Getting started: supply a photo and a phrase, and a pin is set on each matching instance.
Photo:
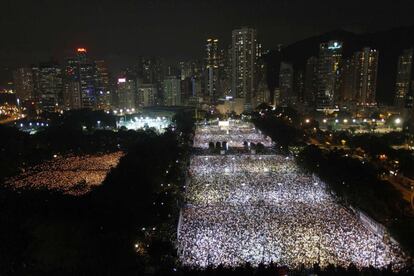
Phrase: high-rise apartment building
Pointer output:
(366, 76)
(405, 78)
(212, 69)
(244, 46)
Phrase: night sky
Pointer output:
(119, 31)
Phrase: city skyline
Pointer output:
(131, 29)
(207, 137)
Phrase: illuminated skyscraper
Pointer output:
(126, 91)
(147, 94)
(71, 89)
(87, 77)
(50, 87)
(151, 70)
(330, 55)
(212, 69)
(404, 78)
(366, 77)
(80, 80)
(244, 57)
(104, 96)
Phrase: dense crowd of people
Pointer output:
(235, 134)
(69, 174)
(264, 209)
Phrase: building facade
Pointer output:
(366, 76)
(212, 70)
(404, 78)
(126, 91)
(50, 87)
(244, 46)
(330, 57)
(23, 83)
(172, 91)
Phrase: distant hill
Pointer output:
(389, 43)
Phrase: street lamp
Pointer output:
(397, 121)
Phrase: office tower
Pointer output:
(87, 77)
(147, 94)
(172, 91)
(212, 69)
(23, 83)
(71, 95)
(79, 81)
(71, 87)
(146, 70)
(330, 55)
(366, 77)
(311, 80)
(151, 70)
(50, 86)
(243, 64)
(286, 83)
(126, 91)
(103, 92)
(404, 78)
